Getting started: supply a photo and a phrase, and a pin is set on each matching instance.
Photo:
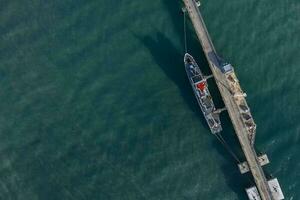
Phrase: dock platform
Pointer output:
(234, 100)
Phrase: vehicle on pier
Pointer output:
(202, 94)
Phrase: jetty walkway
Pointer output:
(234, 100)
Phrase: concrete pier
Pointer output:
(234, 100)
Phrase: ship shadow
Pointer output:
(170, 61)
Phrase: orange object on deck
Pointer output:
(201, 86)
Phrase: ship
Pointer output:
(200, 87)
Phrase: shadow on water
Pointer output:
(170, 61)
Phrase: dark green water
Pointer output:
(95, 103)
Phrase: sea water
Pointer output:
(95, 103)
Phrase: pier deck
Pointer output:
(230, 98)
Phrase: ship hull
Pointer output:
(202, 94)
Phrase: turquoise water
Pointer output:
(95, 103)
